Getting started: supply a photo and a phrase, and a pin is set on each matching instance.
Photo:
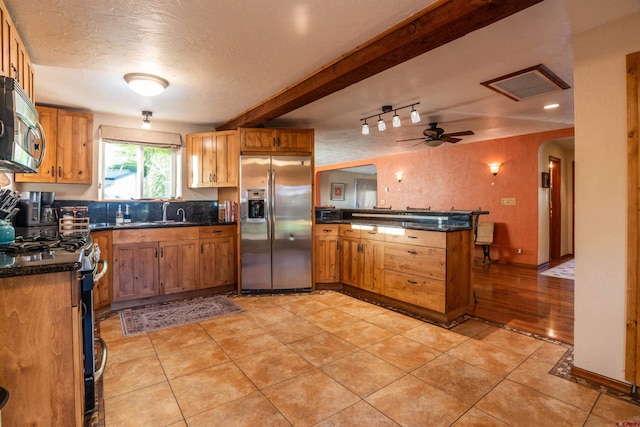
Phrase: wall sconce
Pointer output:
(415, 118)
(494, 168)
(146, 84)
(146, 123)
(399, 176)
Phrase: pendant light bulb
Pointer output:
(415, 116)
(365, 128)
(381, 125)
(396, 120)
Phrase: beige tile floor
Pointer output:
(326, 359)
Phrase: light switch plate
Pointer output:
(508, 201)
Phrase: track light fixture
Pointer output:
(146, 123)
(396, 122)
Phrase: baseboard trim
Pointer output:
(617, 385)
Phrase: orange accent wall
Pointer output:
(457, 176)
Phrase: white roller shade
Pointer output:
(140, 136)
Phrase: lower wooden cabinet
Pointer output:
(179, 266)
(327, 253)
(102, 295)
(217, 256)
(362, 257)
(162, 261)
(41, 351)
(135, 271)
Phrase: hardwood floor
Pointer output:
(520, 297)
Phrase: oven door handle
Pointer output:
(103, 271)
(103, 359)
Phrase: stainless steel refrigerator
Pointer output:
(275, 223)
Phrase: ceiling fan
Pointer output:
(435, 136)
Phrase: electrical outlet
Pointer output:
(508, 201)
(520, 251)
(382, 202)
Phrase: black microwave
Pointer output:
(22, 140)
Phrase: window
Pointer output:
(137, 171)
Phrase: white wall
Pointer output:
(86, 192)
(601, 194)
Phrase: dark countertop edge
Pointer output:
(10, 271)
(408, 226)
(137, 226)
(409, 211)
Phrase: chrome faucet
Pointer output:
(184, 218)
(164, 211)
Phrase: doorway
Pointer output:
(555, 208)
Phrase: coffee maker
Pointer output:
(36, 209)
(48, 214)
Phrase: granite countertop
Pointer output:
(395, 224)
(54, 261)
(103, 226)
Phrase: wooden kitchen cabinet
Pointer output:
(217, 256)
(41, 351)
(179, 266)
(135, 271)
(69, 148)
(154, 261)
(327, 253)
(293, 141)
(15, 61)
(362, 257)
(102, 288)
(213, 159)
(429, 269)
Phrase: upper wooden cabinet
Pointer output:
(69, 148)
(213, 159)
(15, 60)
(295, 141)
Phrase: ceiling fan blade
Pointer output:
(451, 140)
(466, 132)
(420, 143)
(410, 139)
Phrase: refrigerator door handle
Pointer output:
(267, 211)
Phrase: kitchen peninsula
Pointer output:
(417, 259)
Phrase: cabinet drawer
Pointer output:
(154, 234)
(348, 230)
(420, 291)
(217, 231)
(434, 239)
(326, 230)
(422, 261)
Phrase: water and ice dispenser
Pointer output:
(256, 200)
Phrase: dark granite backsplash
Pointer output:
(202, 211)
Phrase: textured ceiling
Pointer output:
(222, 57)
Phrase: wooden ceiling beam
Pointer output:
(438, 24)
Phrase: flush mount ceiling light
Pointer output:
(146, 84)
(382, 126)
(146, 123)
(551, 106)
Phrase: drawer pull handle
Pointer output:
(412, 237)
(326, 230)
(412, 282)
(372, 232)
(413, 252)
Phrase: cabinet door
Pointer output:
(75, 147)
(135, 271)
(48, 118)
(178, 266)
(372, 265)
(256, 139)
(102, 289)
(294, 140)
(200, 166)
(350, 259)
(327, 254)
(227, 161)
(217, 262)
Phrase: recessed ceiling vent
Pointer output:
(527, 83)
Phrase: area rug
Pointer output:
(162, 316)
(564, 271)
